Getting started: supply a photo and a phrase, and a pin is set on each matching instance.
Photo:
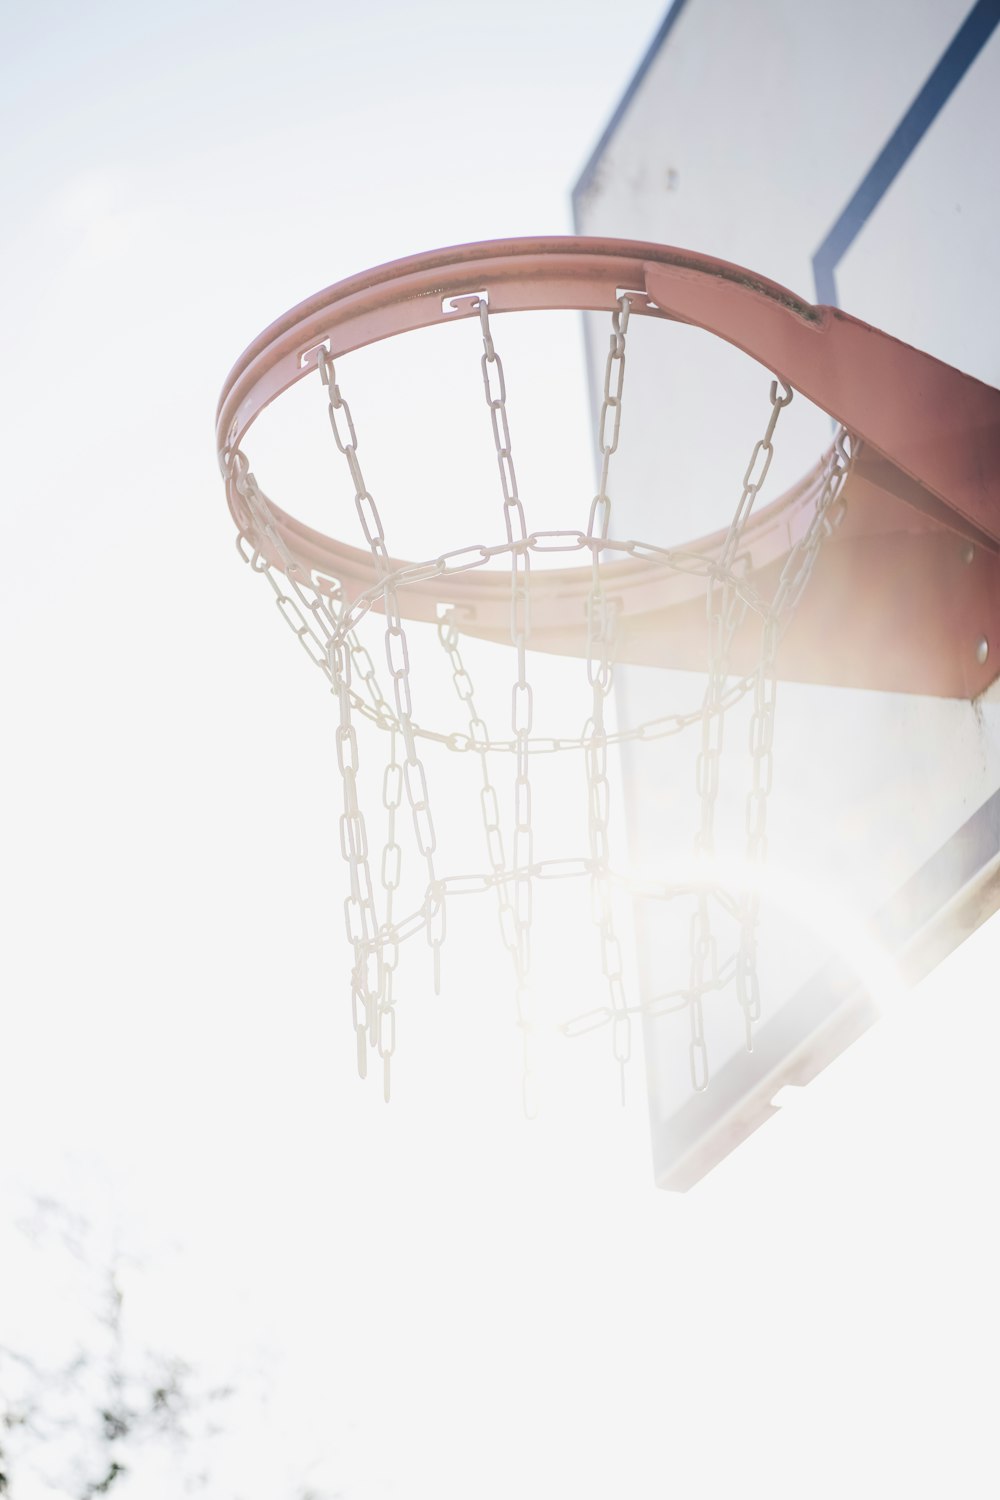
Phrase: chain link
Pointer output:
(600, 648)
(384, 1037)
(489, 803)
(726, 612)
(396, 653)
(522, 697)
(795, 575)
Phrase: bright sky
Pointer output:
(437, 1299)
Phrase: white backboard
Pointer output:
(850, 155)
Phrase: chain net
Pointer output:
(327, 624)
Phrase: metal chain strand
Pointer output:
(795, 575)
(726, 611)
(489, 803)
(600, 645)
(312, 617)
(522, 696)
(363, 928)
(384, 1037)
(316, 629)
(323, 604)
(396, 654)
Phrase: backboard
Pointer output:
(851, 163)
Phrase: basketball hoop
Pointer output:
(914, 464)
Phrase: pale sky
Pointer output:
(435, 1299)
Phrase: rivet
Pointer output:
(968, 552)
(982, 650)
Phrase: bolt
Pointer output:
(968, 552)
(982, 650)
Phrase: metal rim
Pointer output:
(440, 286)
(928, 436)
(444, 286)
